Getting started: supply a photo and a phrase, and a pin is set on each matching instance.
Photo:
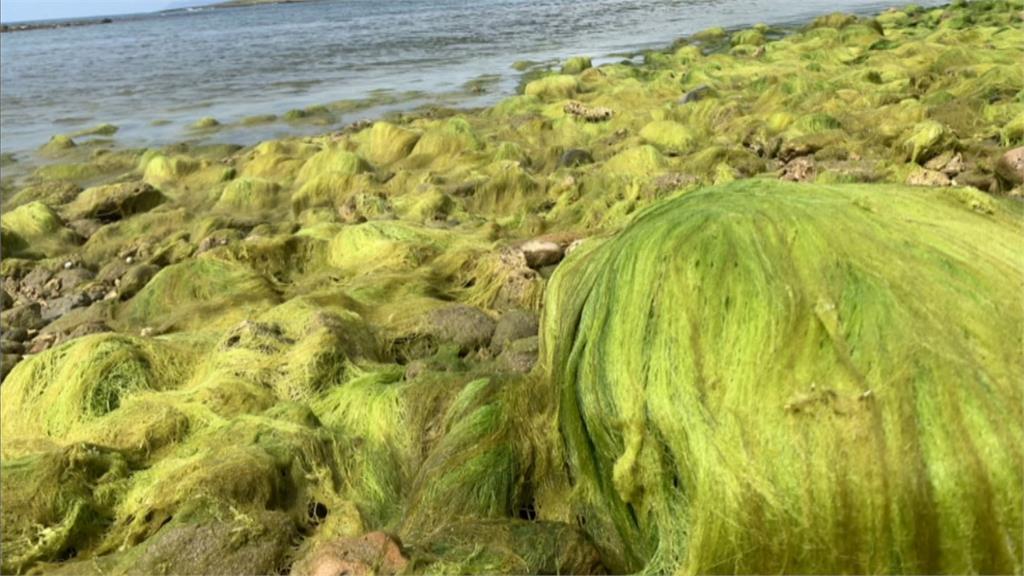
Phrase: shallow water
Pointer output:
(172, 69)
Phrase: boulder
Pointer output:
(114, 202)
(1010, 166)
(373, 554)
(520, 355)
(135, 279)
(799, 169)
(575, 157)
(27, 316)
(513, 325)
(466, 326)
(925, 177)
(541, 253)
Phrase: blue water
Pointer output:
(232, 63)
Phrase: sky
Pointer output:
(18, 10)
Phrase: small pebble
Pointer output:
(68, 265)
(129, 260)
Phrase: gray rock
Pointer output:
(465, 326)
(25, 316)
(16, 334)
(575, 157)
(697, 94)
(85, 227)
(11, 346)
(34, 283)
(6, 301)
(520, 356)
(7, 363)
(58, 307)
(71, 278)
(513, 325)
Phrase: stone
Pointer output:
(16, 334)
(540, 253)
(466, 326)
(85, 227)
(53, 309)
(114, 202)
(697, 94)
(575, 157)
(7, 363)
(26, 316)
(799, 169)
(925, 177)
(42, 343)
(6, 300)
(11, 346)
(135, 279)
(513, 325)
(949, 163)
(588, 113)
(520, 356)
(1010, 166)
(34, 283)
(71, 278)
(373, 554)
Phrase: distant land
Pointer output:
(173, 7)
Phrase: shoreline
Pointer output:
(606, 325)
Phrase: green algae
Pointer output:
(35, 229)
(832, 293)
(293, 385)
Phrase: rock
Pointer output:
(697, 94)
(1010, 166)
(85, 227)
(588, 113)
(575, 157)
(465, 326)
(135, 279)
(576, 64)
(11, 346)
(114, 202)
(799, 169)
(925, 177)
(513, 325)
(6, 300)
(34, 283)
(374, 554)
(26, 316)
(15, 334)
(70, 278)
(520, 355)
(42, 343)
(948, 163)
(7, 363)
(53, 309)
(540, 253)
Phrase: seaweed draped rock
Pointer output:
(770, 377)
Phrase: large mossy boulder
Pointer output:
(35, 230)
(114, 202)
(768, 377)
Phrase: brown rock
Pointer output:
(540, 253)
(374, 554)
(7, 363)
(1010, 166)
(42, 343)
(925, 177)
(800, 169)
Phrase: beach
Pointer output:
(740, 299)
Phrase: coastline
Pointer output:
(456, 340)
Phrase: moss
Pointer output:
(668, 135)
(387, 143)
(556, 87)
(197, 294)
(808, 365)
(100, 130)
(451, 138)
(925, 141)
(206, 123)
(751, 37)
(250, 194)
(159, 169)
(374, 245)
(114, 202)
(576, 64)
(637, 161)
(59, 144)
(35, 229)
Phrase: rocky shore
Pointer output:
(750, 306)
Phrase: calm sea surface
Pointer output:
(172, 69)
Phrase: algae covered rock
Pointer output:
(556, 87)
(389, 143)
(35, 230)
(668, 135)
(576, 64)
(114, 202)
(740, 356)
(926, 140)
